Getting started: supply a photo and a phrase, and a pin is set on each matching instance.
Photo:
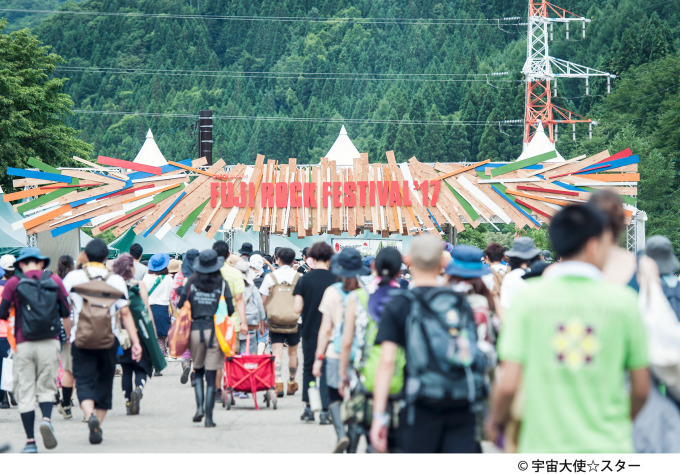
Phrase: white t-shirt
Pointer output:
(140, 271)
(283, 274)
(512, 283)
(161, 295)
(78, 277)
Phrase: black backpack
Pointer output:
(444, 366)
(673, 296)
(38, 307)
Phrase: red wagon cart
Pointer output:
(249, 373)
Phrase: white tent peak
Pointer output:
(343, 150)
(539, 144)
(150, 154)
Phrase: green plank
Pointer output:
(44, 199)
(524, 163)
(166, 194)
(630, 200)
(190, 219)
(463, 202)
(43, 166)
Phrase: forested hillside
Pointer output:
(386, 78)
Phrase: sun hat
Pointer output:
(158, 262)
(257, 263)
(244, 268)
(7, 262)
(547, 256)
(348, 264)
(536, 269)
(32, 252)
(367, 261)
(659, 249)
(208, 262)
(466, 262)
(523, 247)
(246, 249)
(174, 266)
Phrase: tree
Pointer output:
(32, 107)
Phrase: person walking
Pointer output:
(586, 337)
(349, 267)
(522, 254)
(40, 302)
(141, 270)
(278, 300)
(308, 293)
(364, 310)
(246, 251)
(160, 285)
(444, 384)
(255, 313)
(8, 342)
(94, 367)
(135, 373)
(5, 349)
(66, 265)
(186, 270)
(203, 290)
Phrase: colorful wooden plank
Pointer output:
(499, 192)
(462, 170)
(69, 227)
(61, 210)
(622, 154)
(39, 175)
(547, 190)
(128, 165)
(43, 166)
(533, 208)
(191, 218)
(126, 216)
(524, 163)
(165, 213)
(619, 177)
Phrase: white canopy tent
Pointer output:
(150, 154)
(538, 145)
(343, 150)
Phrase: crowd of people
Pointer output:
(438, 350)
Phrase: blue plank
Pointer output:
(630, 160)
(164, 169)
(128, 184)
(165, 213)
(39, 175)
(62, 229)
(516, 206)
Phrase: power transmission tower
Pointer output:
(540, 69)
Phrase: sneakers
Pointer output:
(292, 388)
(95, 430)
(157, 374)
(307, 415)
(325, 418)
(279, 389)
(65, 411)
(242, 395)
(135, 397)
(4, 405)
(47, 433)
(185, 374)
(30, 448)
(12, 400)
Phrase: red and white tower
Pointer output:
(540, 69)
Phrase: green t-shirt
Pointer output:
(575, 338)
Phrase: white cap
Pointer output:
(7, 262)
(257, 263)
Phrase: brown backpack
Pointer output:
(498, 276)
(282, 318)
(94, 321)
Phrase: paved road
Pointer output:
(164, 425)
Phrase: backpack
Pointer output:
(282, 318)
(673, 296)
(498, 276)
(38, 301)
(365, 332)
(336, 337)
(252, 308)
(444, 366)
(93, 330)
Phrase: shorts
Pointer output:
(212, 358)
(292, 339)
(93, 370)
(36, 364)
(66, 359)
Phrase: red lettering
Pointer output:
(214, 193)
(350, 196)
(362, 192)
(371, 193)
(326, 193)
(395, 195)
(337, 193)
(407, 194)
(423, 187)
(295, 199)
(435, 194)
(267, 195)
(251, 194)
(227, 194)
(242, 200)
(383, 192)
(282, 195)
(308, 192)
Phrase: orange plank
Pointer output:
(461, 170)
(614, 177)
(25, 194)
(537, 198)
(142, 196)
(47, 216)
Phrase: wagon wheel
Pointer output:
(274, 398)
(229, 399)
(266, 398)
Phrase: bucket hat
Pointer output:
(7, 262)
(348, 263)
(466, 262)
(523, 247)
(174, 266)
(158, 262)
(208, 262)
(32, 252)
(659, 249)
(246, 249)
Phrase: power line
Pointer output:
(495, 22)
(304, 119)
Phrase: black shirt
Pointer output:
(204, 303)
(393, 320)
(311, 287)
